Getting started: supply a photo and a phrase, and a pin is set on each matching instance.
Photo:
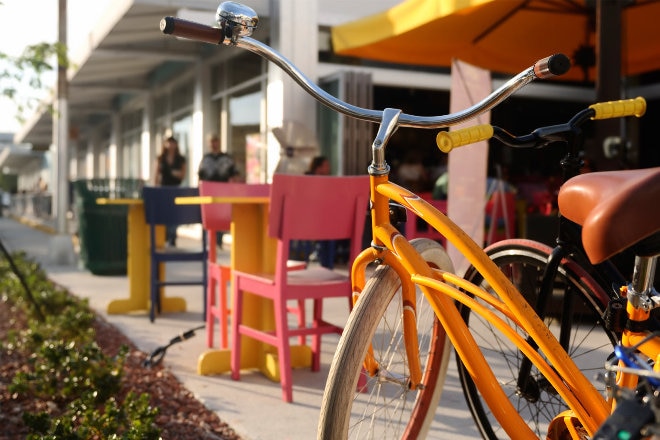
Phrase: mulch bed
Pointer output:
(181, 415)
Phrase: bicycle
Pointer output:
(419, 264)
(636, 414)
(561, 283)
(629, 196)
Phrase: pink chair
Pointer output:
(412, 228)
(217, 217)
(302, 208)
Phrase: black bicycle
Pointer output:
(572, 295)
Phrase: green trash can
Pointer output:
(102, 229)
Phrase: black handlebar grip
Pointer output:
(191, 30)
(167, 25)
(554, 65)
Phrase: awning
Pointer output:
(502, 36)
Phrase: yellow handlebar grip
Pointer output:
(619, 109)
(448, 140)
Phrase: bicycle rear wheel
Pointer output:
(384, 407)
(577, 302)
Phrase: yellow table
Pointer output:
(252, 250)
(139, 262)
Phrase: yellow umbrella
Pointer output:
(500, 35)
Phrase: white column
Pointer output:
(90, 156)
(73, 163)
(294, 33)
(466, 200)
(113, 148)
(146, 158)
(200, 120)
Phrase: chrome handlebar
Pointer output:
(405, 120)
(237, 22)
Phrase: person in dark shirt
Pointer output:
(170, 165)
(216, 165)
(170, 171)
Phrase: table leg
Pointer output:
(139, 266)
(253, 251)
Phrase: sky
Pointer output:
(28, 22)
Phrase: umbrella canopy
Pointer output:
(502, 36)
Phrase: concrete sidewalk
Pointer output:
(251, 406)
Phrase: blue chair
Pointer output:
(160, 209)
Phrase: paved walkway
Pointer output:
(253, 405)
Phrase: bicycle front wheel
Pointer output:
(384, 406)
(574, 314)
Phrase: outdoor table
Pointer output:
(139, 262)
(252, 250)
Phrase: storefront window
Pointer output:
(242, 68)
(329, 125)
(217, 78)
(181, 130)
(182, 96)
(161, 106)
(131, 127)
(173, 117)
(237, 86)
(244, 121)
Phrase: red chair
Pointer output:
(302, 208)
(217, 217)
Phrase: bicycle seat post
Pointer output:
(643, 275)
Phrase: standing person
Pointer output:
(217, 166)
(170, 171)
(320, 166)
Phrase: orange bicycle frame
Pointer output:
(391, 248)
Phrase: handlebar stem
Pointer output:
(387, 128)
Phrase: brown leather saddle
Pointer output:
(616, 209)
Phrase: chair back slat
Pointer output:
(160, 209)
(217, 216)
(317, 207)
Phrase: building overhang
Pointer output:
(14, 159)
(126, 47)
(118, 60)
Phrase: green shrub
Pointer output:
(66, 367)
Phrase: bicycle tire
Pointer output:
(384, 409)
(526, 260)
